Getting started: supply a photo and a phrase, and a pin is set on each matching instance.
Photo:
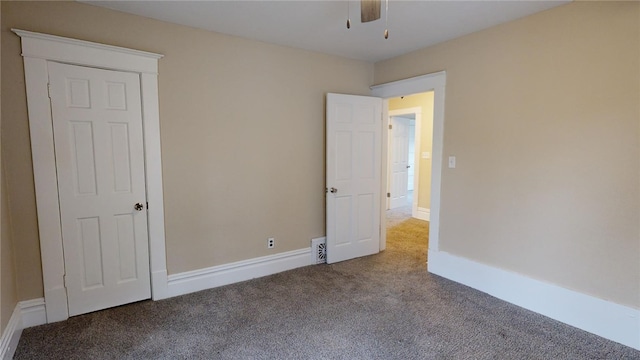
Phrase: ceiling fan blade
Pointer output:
(369, 10)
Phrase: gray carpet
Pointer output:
(384, 306)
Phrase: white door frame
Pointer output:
(417, 112)
(431, 82)
(37, 49)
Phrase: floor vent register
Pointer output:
(319, 250)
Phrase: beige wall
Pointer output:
(424, 101)
(242, 130)
(543, 116)
(8, 294)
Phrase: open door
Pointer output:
(354, 144)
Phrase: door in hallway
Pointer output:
(399, 162)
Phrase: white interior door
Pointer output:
(412, 156)
(399, 162)
(354, 143)
(97, 125)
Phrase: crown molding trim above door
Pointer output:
(37, 50)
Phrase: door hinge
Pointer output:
(147, 205)
(388, 195)
(49, 90)
(390, 126)
(64, 280)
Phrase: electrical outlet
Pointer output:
(271, 242)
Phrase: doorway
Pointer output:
(39, 50)
(435, 84)
(340, 113)
(409, 116)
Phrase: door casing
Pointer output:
(37, 49)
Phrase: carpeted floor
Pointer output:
(384, 306)
(398, 215)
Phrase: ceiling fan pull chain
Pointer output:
(348, 16)
(386, 19)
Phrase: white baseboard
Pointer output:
(604, 318)
(33, 312)
(422, 214)
(197, 280)
(26, 314)
(11, 335)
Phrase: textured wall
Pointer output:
(543, 116)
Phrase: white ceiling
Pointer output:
(321, 25)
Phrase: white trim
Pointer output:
(421, 213)
(155, 197)
(431, 82)
(197, 280)
(37, 49)
(384, 172)
(410, 86)
(11, 335)
(26, 314)
(80, 52)
(33, 312)
(604, 318)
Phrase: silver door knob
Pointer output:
(333, 190)
(138, 206)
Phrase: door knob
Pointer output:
(138, 206)
(334, 190)
(408, 166)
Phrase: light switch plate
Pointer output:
(452, 162)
